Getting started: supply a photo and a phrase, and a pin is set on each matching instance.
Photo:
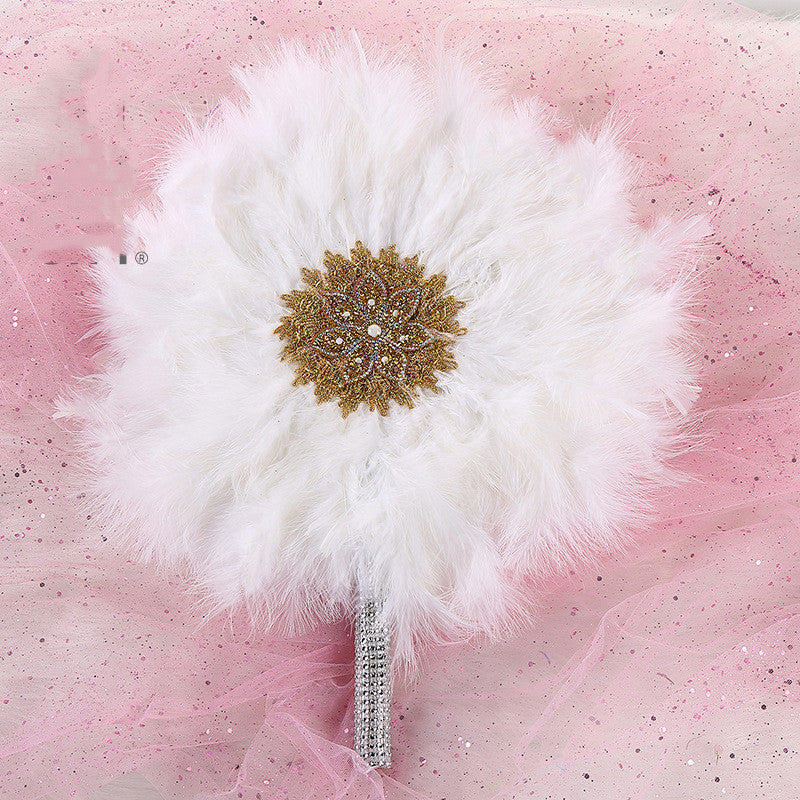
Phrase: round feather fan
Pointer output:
(394, 351)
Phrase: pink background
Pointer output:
(671, 672)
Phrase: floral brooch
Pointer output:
(370, 330)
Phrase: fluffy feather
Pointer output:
(548, 440)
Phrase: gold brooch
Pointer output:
(370, 330)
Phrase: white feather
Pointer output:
(549, 439)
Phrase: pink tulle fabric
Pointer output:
(671, 672)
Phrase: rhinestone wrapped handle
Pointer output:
(372, 686)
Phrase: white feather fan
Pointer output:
(536, 439)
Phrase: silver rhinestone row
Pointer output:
(372, 686)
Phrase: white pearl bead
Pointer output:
(374, 330)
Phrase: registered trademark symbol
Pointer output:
(141, 257)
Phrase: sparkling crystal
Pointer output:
(372, 686)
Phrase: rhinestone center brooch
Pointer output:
(370, 329)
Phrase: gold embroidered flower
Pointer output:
(370, 329)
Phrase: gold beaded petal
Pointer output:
(370, 330)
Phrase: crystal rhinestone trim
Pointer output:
(372, 686)
(370, 329)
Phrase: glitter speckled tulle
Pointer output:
(669, 669)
